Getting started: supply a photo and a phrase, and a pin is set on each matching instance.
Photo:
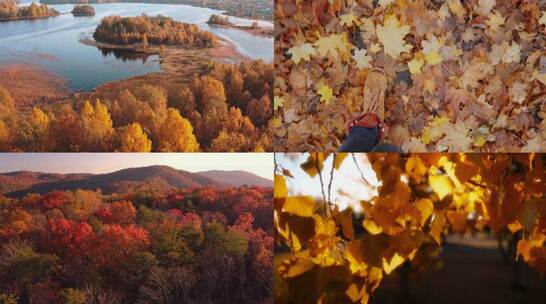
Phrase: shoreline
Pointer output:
(229, 12)
(254, 18)
(260, 31)
(28, 18)
(225, 50)
(178, 64)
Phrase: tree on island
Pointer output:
(10, 10)
(83, 10)
(152, 30)
(219, 20)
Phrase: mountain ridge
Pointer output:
(237, 177)
(157, 177)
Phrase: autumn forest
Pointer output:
(138, 247)
(226, 109)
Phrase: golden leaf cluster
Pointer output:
(340, 257)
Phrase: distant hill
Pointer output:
(20, 180)
(161, 178)
(237, 178)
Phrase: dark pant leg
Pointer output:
(360, 139)
(386, 148)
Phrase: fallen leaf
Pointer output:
(326, 93)
(362, 59)
(303, 51)
(391, 34)
(278, 102)
(349, 20)
(416, 63)
(431, 50)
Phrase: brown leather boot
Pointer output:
(374, 93)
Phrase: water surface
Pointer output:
(54, 43)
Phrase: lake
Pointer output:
(54, 43)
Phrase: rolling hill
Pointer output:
(161, 178)
(236, 178)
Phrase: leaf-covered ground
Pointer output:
(462, 75)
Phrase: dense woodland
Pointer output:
(83, 10)
(226, 109)
(152, 30)
(203, 244)
(10, 10)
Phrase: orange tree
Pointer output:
(421, 197)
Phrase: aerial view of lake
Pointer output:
(54, 43)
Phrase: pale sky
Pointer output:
(258, 163)
(348, 188)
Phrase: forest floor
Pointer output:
(473, 271)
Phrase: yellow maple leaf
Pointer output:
(333, 44)
(416, 63)
(434, 131)
(495, 20)
(479, 139)
(349, 20)
(441, 185)
(303, 51)
(431, 50)
(278, 101)
(391, 34)
(362, 59)
(326, 93)
(374, 48)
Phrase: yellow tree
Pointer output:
(4, 136)
(65, 128)
(96, 127)
(7, 104)
(133, 139)
(238, 134)
(39, 123)
(176, 134)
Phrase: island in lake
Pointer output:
(83, 10)
(10, 10)
(147, 30)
